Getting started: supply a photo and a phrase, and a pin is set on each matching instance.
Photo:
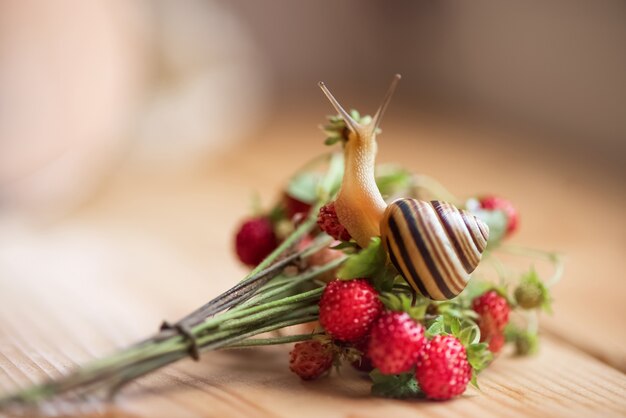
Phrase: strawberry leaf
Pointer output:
(366, 263)
(392, 179)
(303, 186)
(479, 356)
(395, 385)
(437, 327)
(403, 303)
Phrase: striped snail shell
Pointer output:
(434, 245)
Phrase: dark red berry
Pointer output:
(329, 223)
(295, 207)
(348, 308)
(310, 359)
(255, 240)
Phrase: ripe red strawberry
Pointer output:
(496, 342)
(498, 203)
(295, 206)
(395, 341)
(255, 240)
(310, 359)
(348, 308)
(329, 223)
(493, 310)
(443, 371)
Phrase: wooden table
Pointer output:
(153, 245)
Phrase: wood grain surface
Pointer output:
(153, 245)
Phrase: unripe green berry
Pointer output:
(526, 344)
(529, 295)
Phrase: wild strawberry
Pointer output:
(395, 341)
(443, 371)
(496, 342)
(498, 203)
(493, 311)
(310, 359)
(295, 206)
(255, 240)
(348, 308)
(329, 223)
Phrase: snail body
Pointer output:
(359, 204)
(434, 245)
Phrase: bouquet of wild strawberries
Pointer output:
(374, 273)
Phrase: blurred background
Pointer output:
(132, 133)
(86, 86)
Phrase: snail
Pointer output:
(433, 245)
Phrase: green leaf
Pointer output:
(479, 356)
(397, 386)
(332, 140)
(384, 278)
(331, 182)
(345, 245)
(474, 380)
(403, 303)
(365, 263)
(303, 186)
(470, 333)
(390, 179)
(437, 327)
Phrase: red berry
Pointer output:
(496, 342)
(295, 206)
(348, 308)
(310, 359)
(498, 203)
(329, 223)
(493, 310)
(255, 240)
(443, 371)
(395, 341)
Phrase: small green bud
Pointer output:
(529, 295)
(526, 343)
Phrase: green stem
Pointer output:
(302, 230)
(273, 341)
(552, 257)
(292, 282)
(244, 317)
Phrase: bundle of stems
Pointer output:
(267, 299)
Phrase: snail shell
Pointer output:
(434, 245)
